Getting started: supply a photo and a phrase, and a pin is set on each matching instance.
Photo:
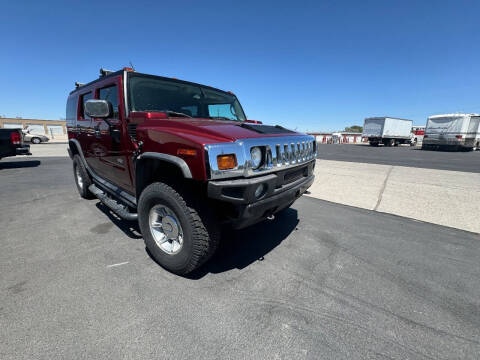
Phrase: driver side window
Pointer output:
(110, 94)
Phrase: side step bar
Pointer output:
(117, 208)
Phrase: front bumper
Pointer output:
(282, 189)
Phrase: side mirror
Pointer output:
(98, 108)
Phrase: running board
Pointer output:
(117, 208)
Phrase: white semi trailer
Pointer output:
(454, 131)
(387, 131)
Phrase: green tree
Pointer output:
(354, 128)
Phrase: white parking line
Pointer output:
(119, 264)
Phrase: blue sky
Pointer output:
(311, 65)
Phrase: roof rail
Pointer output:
(78, 84)
(105, 72)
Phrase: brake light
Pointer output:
(15, 138)
(459, 136)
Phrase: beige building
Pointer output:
(54, 129)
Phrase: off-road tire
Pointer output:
(35, 140)
(200, 232)
(87, 181)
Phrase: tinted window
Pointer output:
(148, 93)
(190, 110)
(85, 97)
(111, 94)
(71, 115)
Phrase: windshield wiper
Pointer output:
(176, 113)
(222, 118)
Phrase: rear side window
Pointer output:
(85, 97)
(110, 94)
(71, 115)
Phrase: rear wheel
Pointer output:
(82, 179)
(476, 146)
(180, 235)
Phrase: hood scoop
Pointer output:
(266, 129)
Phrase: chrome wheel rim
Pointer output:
(79, 177)
(166, 229)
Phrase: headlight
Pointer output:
(256, 156)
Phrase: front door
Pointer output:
(110, 156)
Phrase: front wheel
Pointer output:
(179, 235)
(36, 140)
(82, 179)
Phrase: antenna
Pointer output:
(131, 65)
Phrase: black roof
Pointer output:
(119, 72)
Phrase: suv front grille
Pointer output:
(279, 153)
(290, 153)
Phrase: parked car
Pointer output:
(12, 143)
(34, 138)
(181, 159)
(452, 131)
(387, 131)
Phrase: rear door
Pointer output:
(110, 154)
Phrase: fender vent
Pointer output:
(132, 131)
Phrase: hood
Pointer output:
(209, 131)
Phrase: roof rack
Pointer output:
(105, 72)
(78, 84)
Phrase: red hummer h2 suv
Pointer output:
(182, 159)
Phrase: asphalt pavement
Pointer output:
(402, 156)
(320, 281)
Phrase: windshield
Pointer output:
(148, 93)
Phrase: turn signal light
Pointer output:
(459, 136)
(226, 162)
(187, 152)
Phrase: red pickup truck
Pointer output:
(182, 159)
